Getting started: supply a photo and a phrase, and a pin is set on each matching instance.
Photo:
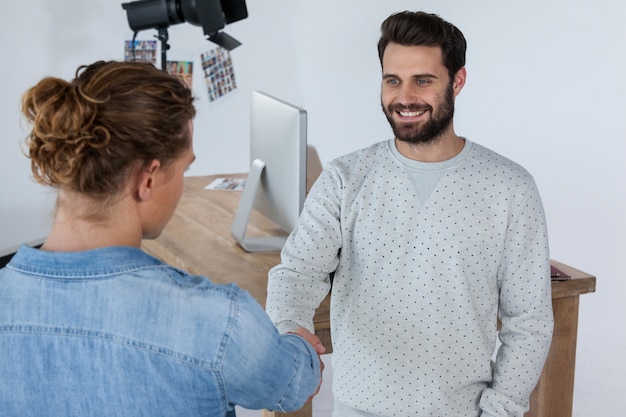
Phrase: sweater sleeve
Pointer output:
(525, 311)
(300, 282)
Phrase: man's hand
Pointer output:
(312, 339)
(319, 348)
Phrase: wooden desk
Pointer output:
(198, 240)
(554, 393)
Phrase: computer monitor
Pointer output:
(276, 185)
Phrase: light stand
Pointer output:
(163, 37)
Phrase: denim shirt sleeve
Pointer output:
(263, 369)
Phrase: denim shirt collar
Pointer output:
(94, 263)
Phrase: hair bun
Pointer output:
(63, 129)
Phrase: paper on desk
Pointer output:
(232, 184)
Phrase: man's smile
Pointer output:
(411, 113)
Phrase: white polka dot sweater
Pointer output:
(426, 256)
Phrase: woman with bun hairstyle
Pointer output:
(90, 325)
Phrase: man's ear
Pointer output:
(146, 180)
(459, 81)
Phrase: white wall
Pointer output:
(545, 87)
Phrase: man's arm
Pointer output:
(525, 311)
(300, 282)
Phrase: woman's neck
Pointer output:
(81, 223)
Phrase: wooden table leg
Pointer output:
(554, 393)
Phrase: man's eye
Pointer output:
(392, 81)
(423, 81)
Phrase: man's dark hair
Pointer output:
(424, 29)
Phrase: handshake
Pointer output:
(319, 348)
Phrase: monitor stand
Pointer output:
(240, 224)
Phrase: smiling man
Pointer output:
(431, 238)
(418, 100)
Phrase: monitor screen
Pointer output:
(276, 185)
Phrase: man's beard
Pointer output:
(431, 129)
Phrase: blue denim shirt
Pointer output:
(116, 332)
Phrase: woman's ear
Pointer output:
(146, 180)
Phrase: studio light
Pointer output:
(212, 15)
